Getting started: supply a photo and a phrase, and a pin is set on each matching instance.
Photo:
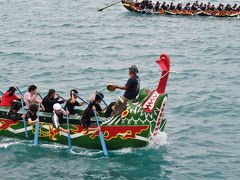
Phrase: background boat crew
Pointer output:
(220, 7)
(32, 114)
(234, 8)
(179, 7)
(157, 6)
(94, 105)
(49, 100)
(172, 6)
(72, 102)
(9, 97)
(212, 8)
(31, 96)
(13, 113)
(187, 7)
(132, 88)
(57, 117)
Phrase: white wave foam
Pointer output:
(159, 140)
(124, 150)
(6, 142)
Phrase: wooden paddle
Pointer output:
(109, 5)
(1, 92)
(111, 87)
(104, 147)
(69, 138)
(37, 127)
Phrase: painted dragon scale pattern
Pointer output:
(135, 127)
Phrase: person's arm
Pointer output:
(65, 112)
(120, 87)
(16, 97)
(30, 121)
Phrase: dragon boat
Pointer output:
(134, 127)
(135, 7)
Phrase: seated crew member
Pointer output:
(172, 7)
(234, 7)
(157, 6)
(220, 7)
(31, 96)
(132, 88)
(187, 7)
(9, 97)
(72, 102)
(57, 117)
(32, 114)
(179, 7)
(163, 7)
(212, 8)
(238, 9)
(50, 100)
(204, 7)
(89, 111)
(13, 113)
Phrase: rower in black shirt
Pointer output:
(12, 113)
(89, 111)
(50, 100)
(72, 102)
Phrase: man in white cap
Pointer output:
(57, 117)
(132, 88)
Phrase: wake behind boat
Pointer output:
(135, 126)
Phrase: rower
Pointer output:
(157, 6)
(13, 113)
(31, 96)
(57, 117)
(94, 105)
(9, 97)
(72, 102)
(50, 100)
(32, 114)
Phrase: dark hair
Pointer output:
(32, 88)
(99, 96)
(50, 92)
(16, 106)
(73, 90)
(33, 107)
(11, 91)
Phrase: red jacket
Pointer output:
(8, 100)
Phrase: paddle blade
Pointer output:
(104, 147)
(69, 143)
(36, 133)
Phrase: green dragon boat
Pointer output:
(134, 127)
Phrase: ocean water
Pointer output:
(69, 44)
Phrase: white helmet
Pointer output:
(57, 106)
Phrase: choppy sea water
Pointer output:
(69, 44)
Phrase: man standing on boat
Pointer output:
(132, 88)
